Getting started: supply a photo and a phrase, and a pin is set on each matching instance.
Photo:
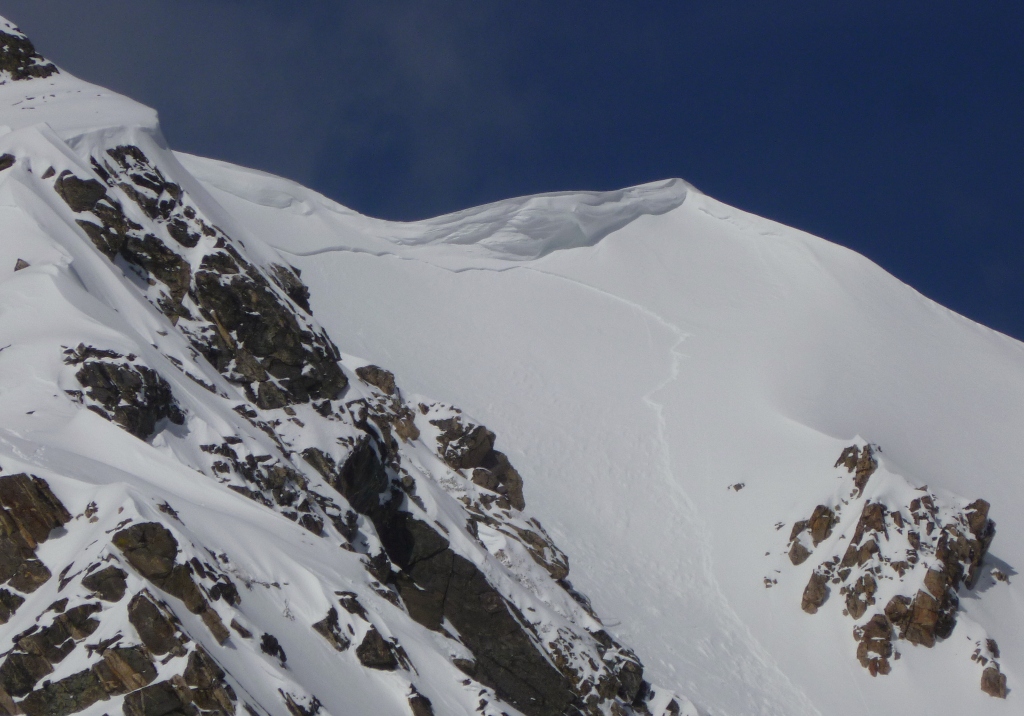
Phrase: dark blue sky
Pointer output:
(896, 129)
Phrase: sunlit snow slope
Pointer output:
(208, 506)
(679, 377)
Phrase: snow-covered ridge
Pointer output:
(208, 507)
(520, 229)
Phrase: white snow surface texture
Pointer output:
(640, 355)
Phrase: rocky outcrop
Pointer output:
(471, 447)
(899, 566)
(151, 549)
(118, 388)
(19, 59)
(29, 512)
(108, 583)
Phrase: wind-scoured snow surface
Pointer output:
(643, 370)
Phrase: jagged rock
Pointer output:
(79, 194)
(465, 447)
(67, 696)
(815, 593)
(29, 511)
(125, 669)
(330, 629)
(57, 640)
(108, 584)
(861, 462)
(154, 628)
(150, 548)
(374, 652)
(34, 507)
(6, 162)
(270, 645)
(242, 631)
(861, 595)
(288, 278)
(20, 264)
(209, 692)
(9, 603)
(31, 575)
(133, 396)
(20, 672)
(378, 377)
(160, 699)
(875, 646)
(420, 704)
(19, 59)
(993, 682)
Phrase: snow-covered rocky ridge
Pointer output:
(248, 518)
(206, 506)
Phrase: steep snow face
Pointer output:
(681, 389)
(206, 507)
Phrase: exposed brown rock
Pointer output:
(379, 378)
(875, 646)
(815, 593)
(34, 508)
(993, 682)
(471, 447)
(209, 691)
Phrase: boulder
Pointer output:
(993, 682)
(153, 627)
(374, 652)
(108, 584)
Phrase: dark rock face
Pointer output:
(133, 396)
(108, 583)
(9, 603)
(209, 691)
(67, 696)
(152, 625)
(29, 512)
(246, 328)
(420, 704)
(330, 629)
(271, 646)
(151, 549)
(471, 447)
(875, 647)
(19, 59)
(374, 652)
(436, 583)
(160, 699)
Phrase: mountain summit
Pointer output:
(784, 482)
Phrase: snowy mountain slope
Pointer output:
(646, 374)
(206, 507)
